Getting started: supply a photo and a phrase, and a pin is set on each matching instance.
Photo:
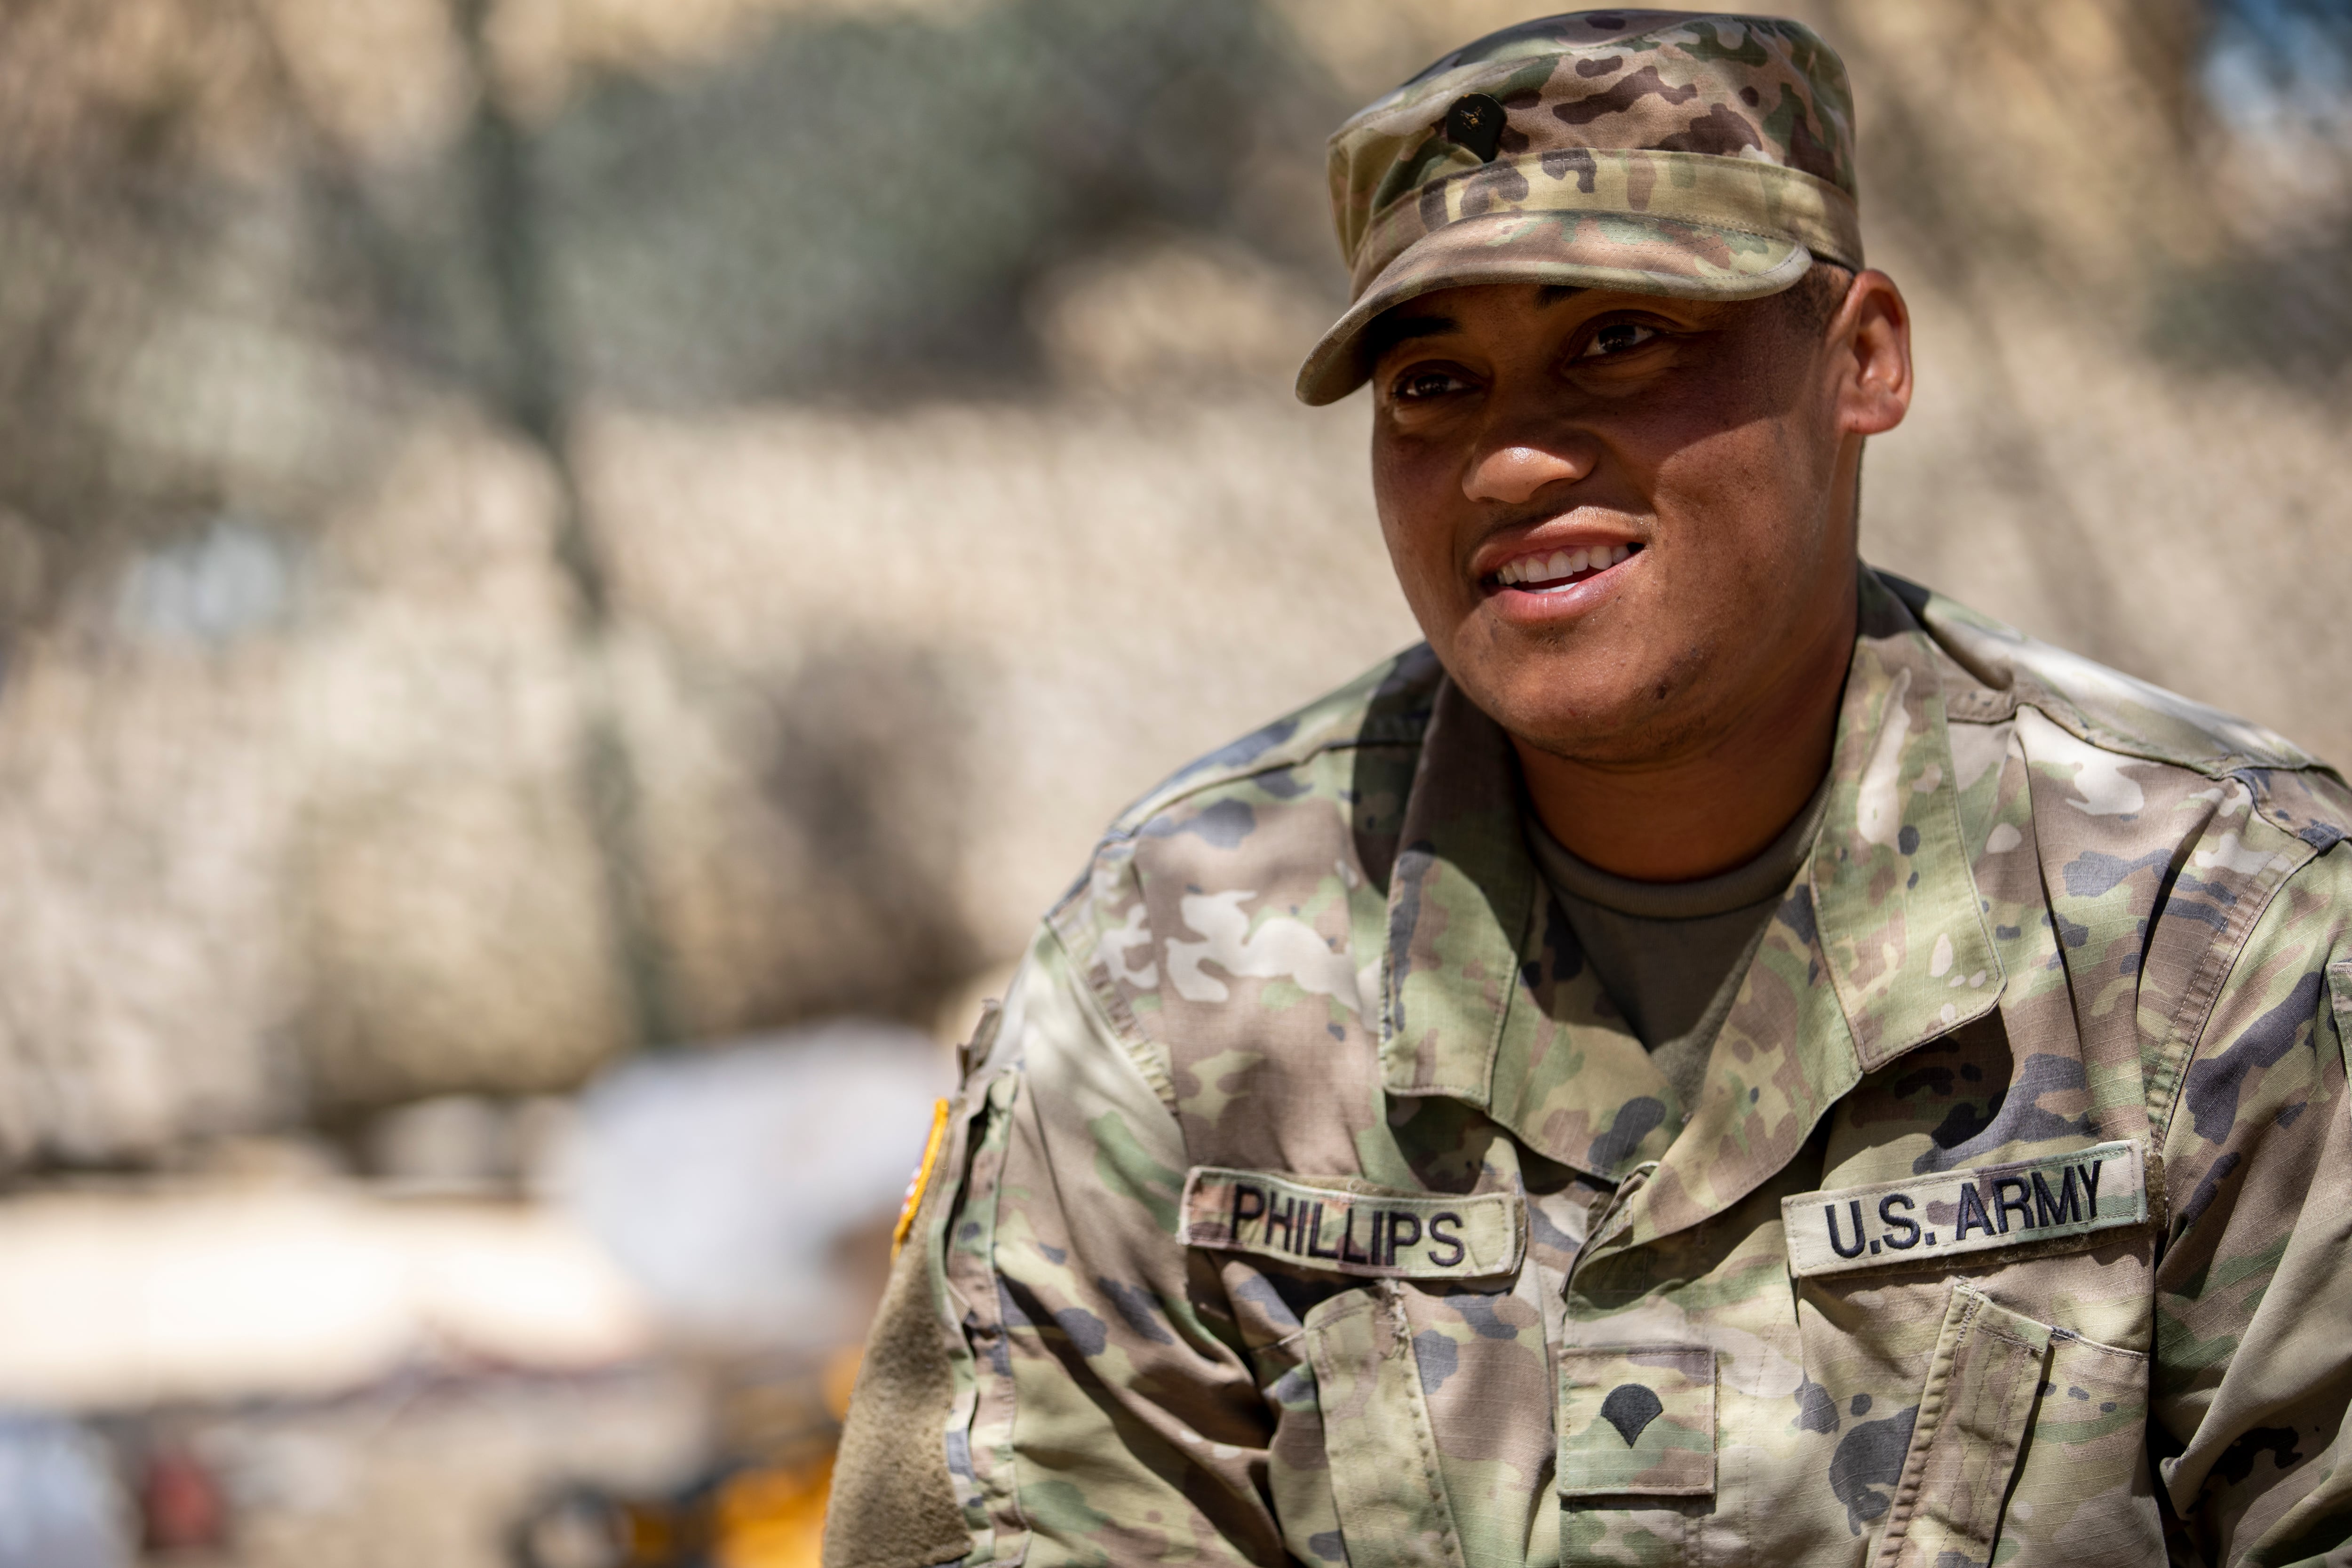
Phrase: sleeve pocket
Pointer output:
(924, 1473)
(980, 1420)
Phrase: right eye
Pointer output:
(1421, 386)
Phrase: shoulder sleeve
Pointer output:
(2253, 1310)
(1075, 1392)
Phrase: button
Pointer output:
(1474, 123)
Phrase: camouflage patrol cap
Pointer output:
(1676, 152)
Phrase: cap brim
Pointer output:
(1634, 252)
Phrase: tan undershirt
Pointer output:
(1671, 955)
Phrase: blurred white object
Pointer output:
(233, 579)
(464, 1145)
(452, 1143)
(60, 1505)
(115, 1299)
(731, 1181)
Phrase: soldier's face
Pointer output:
(1625, 521)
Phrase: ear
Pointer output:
(1870, 348)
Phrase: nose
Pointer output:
(1514, 474)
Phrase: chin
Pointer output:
(1557, 708)
(1581, 696)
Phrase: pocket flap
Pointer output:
(1385, 1475)
(1982, 1388)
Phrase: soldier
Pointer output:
(1722, 1055)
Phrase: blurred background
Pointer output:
(573, 574)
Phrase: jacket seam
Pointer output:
(1104, 1012)
(2077, 722)
(2186, 1038)
(1133, 820)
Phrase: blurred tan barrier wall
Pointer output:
(526, 528)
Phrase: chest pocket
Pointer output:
(1377, 1434)
(2017, 1425)
(2020, 1425)
(1427, 1353)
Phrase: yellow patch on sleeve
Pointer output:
(922, 1177)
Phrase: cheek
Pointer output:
(1398, 474)
(1749, 497)
(1743, 441)
(1411, 484)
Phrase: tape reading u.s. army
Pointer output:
(1349, 1227)
(1928, 1218)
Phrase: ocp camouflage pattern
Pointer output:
(2051, 910)
(1660, 151)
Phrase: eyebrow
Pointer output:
(1389, 329)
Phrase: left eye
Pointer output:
(1616, 338)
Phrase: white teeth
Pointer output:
(1560, 564)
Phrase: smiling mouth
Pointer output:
(1561, 569)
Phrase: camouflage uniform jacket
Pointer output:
(1308, 1200)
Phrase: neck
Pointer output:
(1712, 807)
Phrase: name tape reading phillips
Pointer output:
(1348, 1229)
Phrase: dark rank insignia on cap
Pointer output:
(1474, 123)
